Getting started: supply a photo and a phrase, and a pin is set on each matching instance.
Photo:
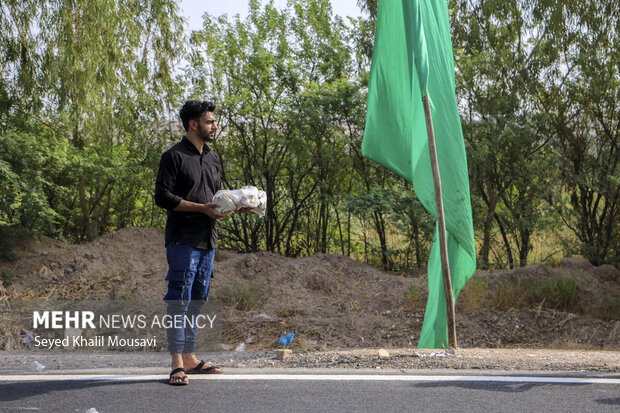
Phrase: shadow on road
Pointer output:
(610, 402)
(493, 386)
(24, 389)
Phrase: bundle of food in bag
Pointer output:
(246, 197)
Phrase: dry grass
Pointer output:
(507, 296)
(474, 296)
(571, 344)
(80, 288)
(558, 293)
(574, 341)
(318, 282)
(243, 295)
(611, 307)
(414, 300)
(285, 311)
(561, 293)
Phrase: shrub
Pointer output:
(9, 237)
(475, 294)
(506, 296)
(413, 300)
(559, 293)
(6, 276)
(611, 307)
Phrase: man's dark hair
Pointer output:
(193, 110)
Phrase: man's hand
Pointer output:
(208, 209)
(243, 210)
(211, 211)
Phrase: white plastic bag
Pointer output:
(246, 197)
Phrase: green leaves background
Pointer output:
(89, 92)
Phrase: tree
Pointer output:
(281, 79)
(580, 100)
(498, 65)
(96, 74)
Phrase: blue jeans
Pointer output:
(189, 274)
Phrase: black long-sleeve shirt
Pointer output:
(185, 173)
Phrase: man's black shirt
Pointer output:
(184, 173)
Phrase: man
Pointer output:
(188, 177)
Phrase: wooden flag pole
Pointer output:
(443, 246)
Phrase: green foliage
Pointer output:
(128, 295)
(9, 236)
(86, 87)
(23, 162)
(560, 293)
(6, 276)
(581, 105)
(507, 142)
(88, 92)
(292, 98)
(539, 92)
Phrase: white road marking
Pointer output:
(318, 377)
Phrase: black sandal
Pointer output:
(182, 378)
(209, 370)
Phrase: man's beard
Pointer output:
(204, 135)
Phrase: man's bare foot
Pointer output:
(178, 377)
(190, 362)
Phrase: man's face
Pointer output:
(206, 127)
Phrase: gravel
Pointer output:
(515, 359)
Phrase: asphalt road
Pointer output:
(306, 393)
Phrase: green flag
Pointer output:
(412, 54)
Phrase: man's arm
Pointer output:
(165, 183)
(167, 199)
(207, 209)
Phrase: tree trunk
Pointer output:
(348, 233)
(269, 222)
(339, 229)
(380, 227)
(525, 247)
(324, 245)
(416, 237)
(491, 203)
(511, 262)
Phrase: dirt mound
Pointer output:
(125, 264)
(328, 301)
